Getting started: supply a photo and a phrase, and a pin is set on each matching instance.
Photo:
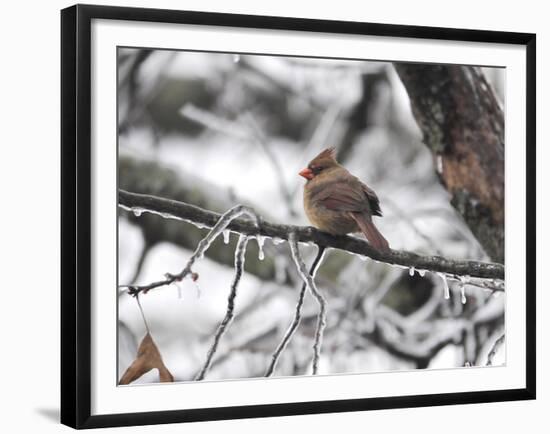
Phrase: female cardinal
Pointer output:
(337, 202)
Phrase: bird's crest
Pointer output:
(327, 153)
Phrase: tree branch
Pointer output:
(183, 211)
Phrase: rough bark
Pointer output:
(463, 126)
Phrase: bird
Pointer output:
(337, 202)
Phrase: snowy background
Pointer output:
(216, 130)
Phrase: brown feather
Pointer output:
(374, 237)
(327, 153)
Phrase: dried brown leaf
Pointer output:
(148, 357)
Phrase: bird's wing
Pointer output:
(342, 196)
(374, 202)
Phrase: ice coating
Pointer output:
(261, 241)
(445, 285)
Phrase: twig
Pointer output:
(183, 211)
(297, 316)
(308, 280)
(496, 346)
(229, 314)
(143, 315)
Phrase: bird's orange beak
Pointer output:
(306, 173)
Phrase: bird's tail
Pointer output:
(374, 237)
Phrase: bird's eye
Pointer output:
(316, 170)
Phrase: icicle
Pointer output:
(137, 211)
(445, 285)
(277, 241)
(439, 164)
(261, 241)
(411, 271)
(226, 234)
(463, 281)
(422, 273)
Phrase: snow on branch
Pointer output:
(258, 227)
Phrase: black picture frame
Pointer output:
(76, 214)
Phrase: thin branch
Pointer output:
(229, 314)
(222, 222)
(496, 346)
(310, 282)
(297, 316)
(142, 315)
(183, 211)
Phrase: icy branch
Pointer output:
(222, 222)
(239, 266)
(308, 280)
(496, 346)
(183, 211)
(297, 316)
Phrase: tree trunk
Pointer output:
(463, 125)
